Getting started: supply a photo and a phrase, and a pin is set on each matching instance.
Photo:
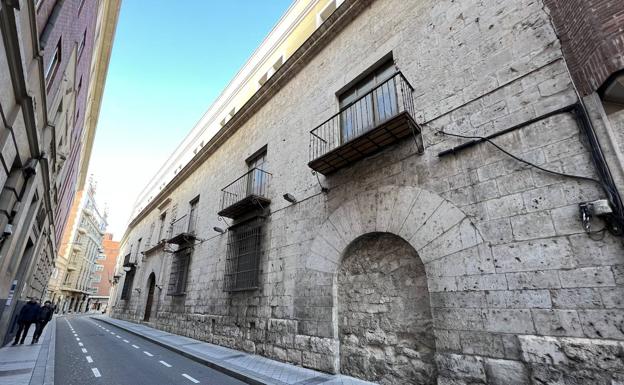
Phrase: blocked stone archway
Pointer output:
(384, 315)
(435, 229)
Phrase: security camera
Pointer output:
(8, 230)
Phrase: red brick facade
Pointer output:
(592, 35)
(111, 251)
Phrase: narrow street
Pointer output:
(92, 352)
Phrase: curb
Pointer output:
(43, 371)
(211, 364)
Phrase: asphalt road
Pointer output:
(91, 352)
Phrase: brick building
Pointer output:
(403, 192)
(53, 62)
(104, 275)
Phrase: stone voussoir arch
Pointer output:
(432, 225)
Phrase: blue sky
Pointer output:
(170, 60)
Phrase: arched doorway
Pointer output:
(385, 326)
(151, 283)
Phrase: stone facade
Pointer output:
(518, 292)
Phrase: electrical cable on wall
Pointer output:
(615, 225)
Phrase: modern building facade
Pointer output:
(104, 275)
(407, 192)
(72, 283)
(53, 61)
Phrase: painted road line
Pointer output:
(148, 353)
(126, 341)
(190, 378)
(134, 346)
(96, 372)
(118, 336)
(77, 339)
(80, 344)
(164, 363)
(89, 359)
(84, 350)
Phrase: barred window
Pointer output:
(179, 272)
(127, 287)
(244, 250)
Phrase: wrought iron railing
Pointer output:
(244, 250)
(183, 225)
(382, 103)
(253, 183)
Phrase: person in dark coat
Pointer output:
(27, 316)
(44, 316)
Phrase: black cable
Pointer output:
(523, 160)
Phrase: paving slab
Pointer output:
(29, 364)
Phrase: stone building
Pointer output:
(53, 62)
(419, 191)
(104, 275)
(71, 284)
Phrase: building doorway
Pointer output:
(384, 310)
(151, 284)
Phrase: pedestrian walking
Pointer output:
(27, 316)
(44, 316)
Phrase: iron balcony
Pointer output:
(245, 194)
(182, 230)
(375, 120)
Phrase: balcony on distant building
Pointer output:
(381, 117)
(182, 230)
(245, 194)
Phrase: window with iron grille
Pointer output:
(244, 250)
(127, 287)
(179, 272)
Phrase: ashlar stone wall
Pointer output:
(518, 292)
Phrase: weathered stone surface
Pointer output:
(506, 372)
(384, 313)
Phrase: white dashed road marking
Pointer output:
(80, 344)
(134, 346)
(96, 372)
(89, 359)
(148, 353)
(190, 378)
(77, 339)
(118, 336)
(84, 350)
(126, 341)
(164, 363)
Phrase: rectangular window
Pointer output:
(148, 243)
(81, 46)
(244, 250)
(326, 12)
(193, 215)
(127, 287)
(366, 103)
(256, 182)
(179, 272)
(161, 226)
(54, 65)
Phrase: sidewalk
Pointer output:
(251, 368)
(30, 364)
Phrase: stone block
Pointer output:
(482, 344)
(506, 206)
(613, 297)
(462, 367)
(543, 198)
(515, 182)
(587, 277)
(541, 279)
(508, 321)
(543, 254)
(482, 282)
(582, 298)
(542, 350)
(518, 299)
(594, 354)
(532, 226)
(506, 372)
(603, 323)
(556, 322)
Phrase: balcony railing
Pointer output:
(245, 193)
(375, 120)
(183, 229)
